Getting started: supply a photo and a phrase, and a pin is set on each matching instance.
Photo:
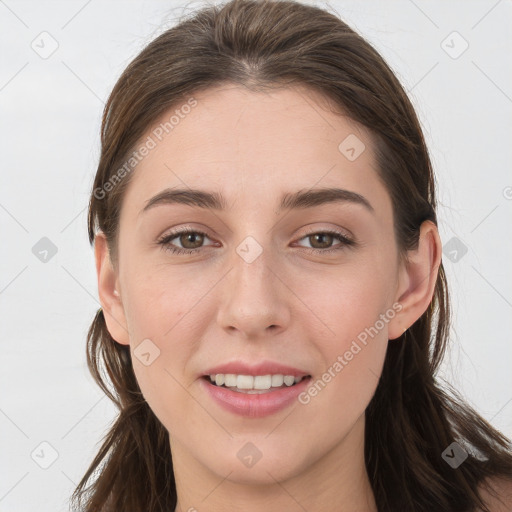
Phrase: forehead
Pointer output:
(255, 146)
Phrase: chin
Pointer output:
(251, 466)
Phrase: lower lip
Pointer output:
(254, 405)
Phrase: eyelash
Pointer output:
(165, 241)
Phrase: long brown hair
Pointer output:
(412, 419)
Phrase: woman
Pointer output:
(274, 305)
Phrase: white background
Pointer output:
(50, 112)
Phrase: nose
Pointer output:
(254, 303)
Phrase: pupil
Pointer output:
(192, 236)
(323, 235)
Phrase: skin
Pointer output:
(212, 307)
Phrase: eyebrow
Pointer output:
(297, 200)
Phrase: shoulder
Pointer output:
(503, 489)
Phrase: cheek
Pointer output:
(168, 306)
(154, 316)
(337, 399)
(158, 299)
(353, 353)
(355, 307)
(347, 302)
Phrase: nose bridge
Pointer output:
(253, 299)
(251, 276)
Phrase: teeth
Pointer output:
(229, 380)
(259, 382)
(289, 380)
(245, 382)
(262, 382)
(277, 381)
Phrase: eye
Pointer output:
(190, 237)
(325, 239)
(186, 236)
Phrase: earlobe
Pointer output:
(107, 290)
(417, 279)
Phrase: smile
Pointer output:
(257, 383)
(253, 396)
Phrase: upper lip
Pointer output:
(262, 368)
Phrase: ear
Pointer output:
(417, 279)
(108, 291)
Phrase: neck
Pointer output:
(336, 481)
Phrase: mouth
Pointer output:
(254, 384)
(254, 396)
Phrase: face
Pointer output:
(305, 290)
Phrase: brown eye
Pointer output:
(321, 242)
(192, 240)
(324, 240)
